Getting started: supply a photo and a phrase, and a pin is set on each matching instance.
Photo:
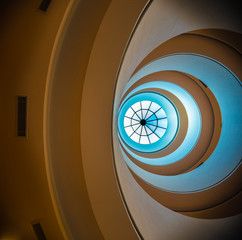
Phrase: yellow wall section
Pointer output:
(27, 37)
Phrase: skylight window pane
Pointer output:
(138, 131)
(136, 106)
(145, 104)
(135, 137)
(152, 118)
(139, 113)
(144, 140)
(129, 130)
(133, 122)
(144, 113)
(160, 113)
(143, 132)
(151, 127)
(154, 107)
(129, 113)
(153, 138)
(135, 117)
(162, 123)
(148, 130)
(160, 132)
(127, 121)
(135, 127)
(149, 113)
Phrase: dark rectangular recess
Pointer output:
(39, 231)
(22, 116)
(44, 5)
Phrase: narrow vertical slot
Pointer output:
(44, 5)
(39, 231)
(21, 116)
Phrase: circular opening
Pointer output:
(159, 125)
(145, 122)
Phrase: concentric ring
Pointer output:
(200, 162)
(157, 108)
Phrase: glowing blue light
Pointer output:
(194, 123)
(227, 155)
(147, 122)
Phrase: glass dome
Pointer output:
(145, 122)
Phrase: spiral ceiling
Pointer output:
(179, 123)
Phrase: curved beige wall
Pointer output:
(96, 141)
(62, 119)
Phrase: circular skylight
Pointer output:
(145, 122)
